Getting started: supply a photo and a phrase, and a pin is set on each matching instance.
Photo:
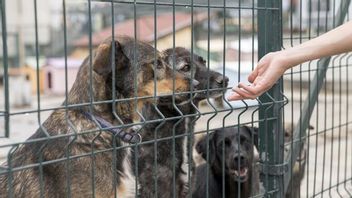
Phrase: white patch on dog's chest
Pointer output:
(127, 186)
(185, 160)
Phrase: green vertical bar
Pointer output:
(5, 62)
(270, 114)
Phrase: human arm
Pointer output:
(273, 65)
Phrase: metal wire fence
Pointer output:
(128, 99)
(319, 91)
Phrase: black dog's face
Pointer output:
(195, 68)
(138, 62)
(234, 147)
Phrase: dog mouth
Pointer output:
(240, 175)
(179, 99)
(209, 93)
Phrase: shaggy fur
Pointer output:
(53, 167)
(167, 165)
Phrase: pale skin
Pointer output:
(273, 65)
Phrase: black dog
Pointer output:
(233, 148)
(164, 166)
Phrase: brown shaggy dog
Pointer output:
(68, 155)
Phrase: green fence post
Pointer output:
(5, 64)
(270, 113)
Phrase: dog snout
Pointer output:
(222, 80)
(195, 83)
(239, 160)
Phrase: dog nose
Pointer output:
(222, 80)
(195, 83)
(239, 159)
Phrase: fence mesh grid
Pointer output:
(146, 115)
(324, 158)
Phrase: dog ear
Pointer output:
(201, 147)
(102, 59)
(254, 134)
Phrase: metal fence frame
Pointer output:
(273, 165)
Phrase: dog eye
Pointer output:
(186, 68)
(243, 139)
(159, 64)
(202, 60)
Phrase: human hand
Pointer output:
(273, 65)
(269, 69)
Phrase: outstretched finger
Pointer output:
(243, 93)
(254, 90)
(234, 96)
(253, 75)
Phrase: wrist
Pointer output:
(294, 56)
(282, 60)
